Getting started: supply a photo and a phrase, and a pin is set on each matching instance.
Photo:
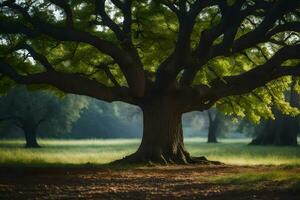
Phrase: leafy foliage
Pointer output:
(155, 30)
(52, 115)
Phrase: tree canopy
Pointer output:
(123, 50)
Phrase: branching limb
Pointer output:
(254, 78)
(37, 56)
(68, 12)
(234, 15)
(127, 59)
(100, 6)
(105, 68)
(69, 83)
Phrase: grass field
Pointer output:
(100, 151)
(59, 169)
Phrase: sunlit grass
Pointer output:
(64, 152)
(238, 152)
(100, 151)
(256, 180)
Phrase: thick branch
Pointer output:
(100, 6)
(252, 79)
(64, 5)
(105, 68)
(265, 30)
(231, 20)
(37, 56)
(180, 58)
(69, 83)
(128, 60)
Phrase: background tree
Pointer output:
(42, 112)
(281, 131)
(167, 57)
(103, 120)
(284, 129)
(216, 121)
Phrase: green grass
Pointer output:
(238, 152)
(101, 151)
(257, 180)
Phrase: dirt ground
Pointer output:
(159, 182)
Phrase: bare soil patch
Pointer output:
(159, 182)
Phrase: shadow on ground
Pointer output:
(158, 182)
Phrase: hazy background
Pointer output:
(95, 118)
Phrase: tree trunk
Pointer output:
(212, 138)
(162, 140)
(30, 135)
(214, 126)
(282, 131)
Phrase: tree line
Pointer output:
(51, 115)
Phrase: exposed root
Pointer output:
(184, 158)
(137, 158)
(203, 160)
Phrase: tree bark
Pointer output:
(214, 126)
(282, 132)
(212, 138)
(162, 140)
(30, 135)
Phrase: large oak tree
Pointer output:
(168, 57)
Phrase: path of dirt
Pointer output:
(164, 182)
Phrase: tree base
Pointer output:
(137, 158)
(32, 146)
(271, 140)
(260, 143)
(213, 142)
(162, 141)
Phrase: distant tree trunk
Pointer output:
(281, 131)
(214, 126)
(162, 140)
(30, 129)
